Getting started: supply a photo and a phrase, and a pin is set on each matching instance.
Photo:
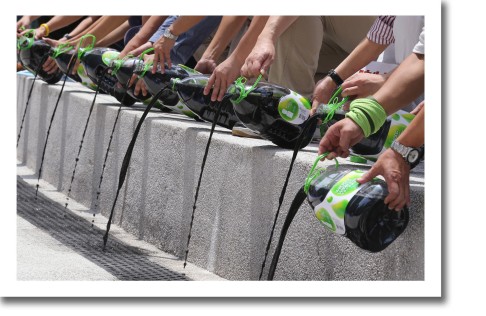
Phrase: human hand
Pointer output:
(418, 108)
(260, 58)
(40, 32)
(50, 66)
(140, 86)
(362, 85)
(51, 42)
(396, 172)
(162, 49)
(134, 51)
(322, 92)
(339, 138)
(206, 65)
(223, 76)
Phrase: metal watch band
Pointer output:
(168, 34)
(401, 149)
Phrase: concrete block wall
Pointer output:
(237, 200)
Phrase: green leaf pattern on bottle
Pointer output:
(331, 211)
(294, 108)
(108, 56)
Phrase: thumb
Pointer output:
(50, 41)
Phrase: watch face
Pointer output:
(413, 156)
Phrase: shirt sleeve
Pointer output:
(381, 32)
(420, 46)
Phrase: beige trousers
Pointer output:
(312, 46)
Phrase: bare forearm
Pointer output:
(404, 85)
(276, 25)
(248, 40)
(103, 27)
(227, 30)
(413, 135)
(60, 21)
(84, 25)
(115, 35)
(362, 55)
(146, 31)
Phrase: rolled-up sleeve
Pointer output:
(381, 32)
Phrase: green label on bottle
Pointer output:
(294, 108)
(332, 209)
(108, 56)
(85, 80)
(399, 121)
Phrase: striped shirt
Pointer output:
(381, 32)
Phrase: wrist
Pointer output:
(46, 29)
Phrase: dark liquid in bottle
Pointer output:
(368, 221)
(96, 64)
(32, 57)
(260, 112)
(190, 91)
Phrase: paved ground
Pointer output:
(48, 250)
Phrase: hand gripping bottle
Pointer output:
(33, 54)
(276, 113)
(123, 69)
(398, 122)
(96, 63)
(345, 207)
(371, 145)
(190, 91)
(356, 211)
(63, 55)
(158, 81)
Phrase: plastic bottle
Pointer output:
(345, 207)
(276, 113)
(398, 122)
(32, 54)
(62, 55)
(156, 82)
(356, 211)
(96, 62)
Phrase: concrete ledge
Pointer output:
(237, 200)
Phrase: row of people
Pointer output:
(290, 51)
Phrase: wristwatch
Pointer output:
(411, 155)
(67, 36)
(335, 77)
(169, 35)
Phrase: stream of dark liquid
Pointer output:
(30, 94)
(284, 188)
(71, 64)
(98, 191)
(213, 126)
(82, 140)
(126, 162)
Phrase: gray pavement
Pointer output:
(42, 257)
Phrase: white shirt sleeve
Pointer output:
(420, 46)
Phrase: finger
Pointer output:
(373, 172)
(133, 79)
(350, 91)
(143, 87)
(217, 83)
(156, 61)
(210, 84)
(393, 190)
(167, 58)
(136, 91)
(222, 90)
